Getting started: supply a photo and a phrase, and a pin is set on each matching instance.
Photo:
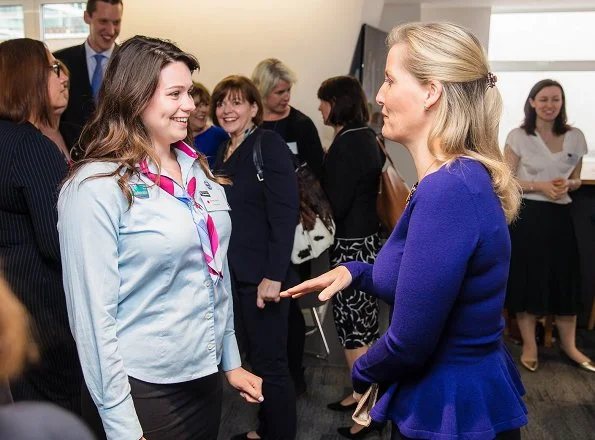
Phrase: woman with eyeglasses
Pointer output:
(31, 169)
(62, 133)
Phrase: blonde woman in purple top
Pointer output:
(442, 366)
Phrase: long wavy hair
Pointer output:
(468, 113)
(116, 132)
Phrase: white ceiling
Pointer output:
(505, 4)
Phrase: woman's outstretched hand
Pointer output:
(327, 284)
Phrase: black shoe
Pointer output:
(336, 406)
(346, 430)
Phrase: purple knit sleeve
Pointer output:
(362, 276)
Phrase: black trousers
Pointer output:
(178, 411)
(263, 338)
(514, 434)
(295, 345)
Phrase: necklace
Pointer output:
(414, 187)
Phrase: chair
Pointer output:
(318, 314)
(317, 309)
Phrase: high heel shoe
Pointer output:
(530, 365)
(345, 431)
(337, 406)
(587, 365)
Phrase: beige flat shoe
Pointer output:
(530, 365)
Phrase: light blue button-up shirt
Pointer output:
(140, 299)
(92, 62)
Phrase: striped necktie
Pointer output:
(97, 77)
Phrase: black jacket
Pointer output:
(351, 174)
(81, 104)
(301, 130)
(31, 171)
(264, 214)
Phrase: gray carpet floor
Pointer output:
(560, 397)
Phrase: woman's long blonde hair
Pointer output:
(468, 114)
(16, 341)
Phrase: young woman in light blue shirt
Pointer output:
(144, 230)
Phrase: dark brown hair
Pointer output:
(240, 85)
(347, 99)
(116, 132)
(560, 123)
(92, 4)
(24, 73)
(198, 89)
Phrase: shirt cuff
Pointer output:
(230, 356)
(121, 422)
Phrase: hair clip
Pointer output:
(492, 79)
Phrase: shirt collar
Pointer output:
(185, 155)
(89, 52)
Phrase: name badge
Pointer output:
(214, 200)
(140, 190)
(293, 147)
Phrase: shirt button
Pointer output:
(208, 283)
(210, 347)
(209, 315)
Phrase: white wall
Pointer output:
(476, 19)
(316, 38)
(394, 14)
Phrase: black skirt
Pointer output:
(178, 411)
(544, 268)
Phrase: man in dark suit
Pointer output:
(87, 61)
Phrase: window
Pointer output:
(527, 47)
(542, 36)
(61, 21)
(12, 22)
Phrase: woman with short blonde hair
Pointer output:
(442, 361)
(274, 81)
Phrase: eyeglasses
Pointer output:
(56, 67)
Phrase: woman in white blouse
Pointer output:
(546, 154)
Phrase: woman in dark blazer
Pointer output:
(31, 169)
(351, 173)
(264, 214)
(274, 81)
